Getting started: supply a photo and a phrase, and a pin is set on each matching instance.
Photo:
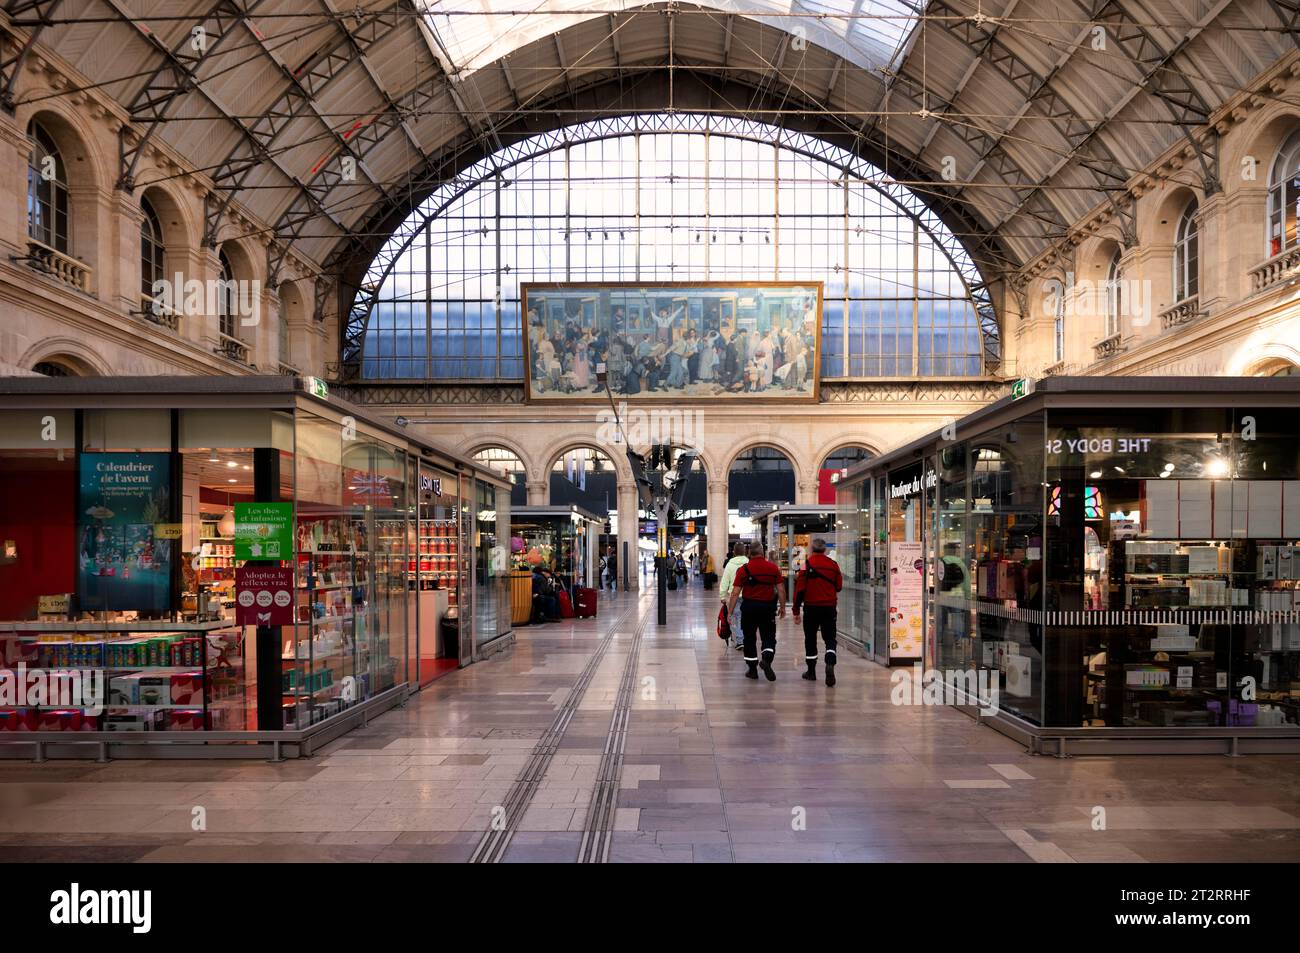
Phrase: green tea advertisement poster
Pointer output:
(121, 563)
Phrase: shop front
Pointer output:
(562, 540)
(207, 560)
(1110, 565)
(787, 530)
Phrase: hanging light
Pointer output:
(226, 525)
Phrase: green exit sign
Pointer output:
(1022, 388)
(316, 386)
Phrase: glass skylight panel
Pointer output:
(467, 35)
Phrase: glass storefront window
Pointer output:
(437, 572)
(492, 563)
(1134, 544)
(1006, 548)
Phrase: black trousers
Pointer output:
(815, 618)
(758, 619)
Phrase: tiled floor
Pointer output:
(716, 768)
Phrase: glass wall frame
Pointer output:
(663, 198)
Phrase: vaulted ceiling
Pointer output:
(331, 121)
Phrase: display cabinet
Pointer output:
(124, 676)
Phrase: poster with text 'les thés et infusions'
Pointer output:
(124, 562)
(906, 616)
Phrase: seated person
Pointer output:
(546, 607)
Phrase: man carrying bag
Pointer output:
(816, 590)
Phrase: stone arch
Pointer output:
(1161, 223)
(85, 171)
(1260, 137)
(1252, 361)
(176, 220)
(245, 265)
(489, 440)
(843, 442)
(802, 470)
(73, 352)
(87, 164)
(562, 445)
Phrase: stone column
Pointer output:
(806, 493)
(627, 533)
(538, 490)
(718, 523)
(15, 149)
(1214, 233)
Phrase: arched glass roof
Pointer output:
(688, 197)
(466, 35)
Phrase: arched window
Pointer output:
(507, 462)
(1284, 196)
(153, 267)
(1114, 295)
(47, 191)
(662, 198)
(1187, 256)
(54, 369)
(226, 302)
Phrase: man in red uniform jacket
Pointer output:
(761, 584)
(816, 590)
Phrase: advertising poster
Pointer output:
(263, 531)
(123, 562)
(264, 595)
(906, 586)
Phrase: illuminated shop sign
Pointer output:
(913, 486)
(1112, 444)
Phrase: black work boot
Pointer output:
(830, 674)
(752, 672)
(766, 666)
(811, 674)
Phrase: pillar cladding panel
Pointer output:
(627, 534)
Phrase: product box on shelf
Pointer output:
(187, 688)
(20, 719)
(65, 719)
(185, 719)
(18, 651)
(1266, 569)
(135, 720)
(1146, 676)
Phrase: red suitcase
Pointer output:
(566, 605)
(586, 602)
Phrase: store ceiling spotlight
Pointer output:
(1217, 467)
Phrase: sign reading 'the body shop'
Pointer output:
(263, 530)
(122, 564)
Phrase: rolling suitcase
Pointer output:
(585, 606)
(566, 604)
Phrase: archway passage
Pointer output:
(758, 479)
(585, 477)
(836, 463)
(507, 462)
